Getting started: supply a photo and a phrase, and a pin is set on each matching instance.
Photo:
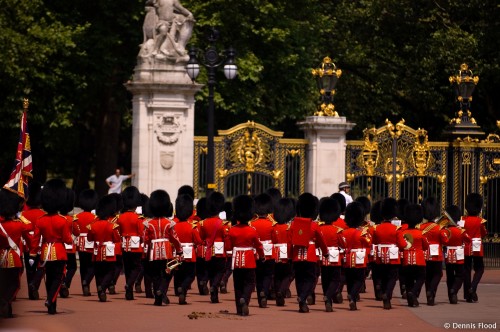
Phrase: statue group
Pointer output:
(167, 28)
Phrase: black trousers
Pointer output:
(264, 276)
(86, 267)
(216, 267)
(282, 277)
(433, 275)
(10, 282)
(144, 276)
(228, 271)
(476, 263)
(414, 278)
(377, 280)
(355, 278)
(118, 268)
(184, 276)
(388, 277)
(132, 267)
(330, 280)
(104, 274)
(54, 275)
(244, 284)
(70, 269)
(201, 271)
(156, 269)
(34, 274)
(454, 277)
(305, 278)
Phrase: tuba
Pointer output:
(172, 265)
(446, 220)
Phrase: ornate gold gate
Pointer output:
(251, 158)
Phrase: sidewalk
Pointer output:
(78, 313)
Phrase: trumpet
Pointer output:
(446, 220)
(172, 265)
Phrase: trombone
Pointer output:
(446, 220)
(172, 265)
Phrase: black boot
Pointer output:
(303, 307)
(64, 291)
(387, 302)
(182, 295)
(101, 293)
(214, 295)
(262, 300)
(280, 299)
(328, 304)
(244, 307)
(129, 294)
(430, 298)
(352, 303)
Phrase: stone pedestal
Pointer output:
(163, 127)
(325, 153)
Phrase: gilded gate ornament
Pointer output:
(370, 151)
(421, 154)
(249, 150)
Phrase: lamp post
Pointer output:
(211, 59)
(327, 76)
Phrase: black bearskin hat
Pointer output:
(454, 212)
(263, 204)
(341, 199)
(184, 207)
(159, 204)
(432, 208)
(243, 209)
(307, 206)
(34, 194)
(131, 198)
(414, 214)
(388, 208)
(365, 201)
(186, 190)
(329, 210)
(70, 202)
(106, 207)
(87, 200)
(9, 204)
(284, 211)
(354, 214)
(473, 204)
(54, 196)
(215, 203)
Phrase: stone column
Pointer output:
(325, 153)
(163, 126)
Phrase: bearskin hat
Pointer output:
(388, 208)
(376, 212)
(263, 204)
(341, 199)
(284, 211)
(215, 203)
(414, 214)
(119, 202)
(329, 210)
(307, 206)
(228, 208)
(34, 194)
(9, 204)
(243, 208)
(184, 207)
(87, 200)
(131, 198)
(159, 204)
(70, 202)
(365, 201)
(201, 208)
(432, 208)
(454, 212)
(354, 214)
(473, 204)
(186, 190)
(54, 196)
(400, 208)
(106, 207)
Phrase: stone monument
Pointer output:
(163, 101)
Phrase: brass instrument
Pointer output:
(408, 237)
(446, 220)
(172, 265)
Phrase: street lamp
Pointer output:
(327, 76)
(211, 60)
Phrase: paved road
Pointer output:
(78, 313)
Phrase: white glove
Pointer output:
(31, 261)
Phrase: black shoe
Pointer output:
(138, 288)
(328, 304)
(378, 293)
(288, 294)
(453, 298)
(387, 302)
(203, 288)
(129, 294)
(303, 307)
(262, 300)
(64, 291)
(223, 288)
(102, 296)
(150, 295)
(158, 301)
(280, 300)
(244, 307)
(338, 298)
(182, 295)
(165, 299)
(112, 290)
(214, 295)
(33, 292)
(86, 291)
(51, 308)
(474, 296)
(430, 298)
(352, 304)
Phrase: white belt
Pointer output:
(185, 244)
(158, 240)
(386, 245)
(242, 248)
(455, 247)
(281, 245)
(266, 242)
(312, 242)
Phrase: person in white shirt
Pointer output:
(344, 189)
(115, 181)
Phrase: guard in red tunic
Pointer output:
(454, 253)
(475, 227)
(71, 264)
(87, 201)
(212, 233)
(227, 216)
(118, 265)
(131, 229)
(160, 237)
(54, 232)
(340, 222)
(414, 245)
(242, 240)
(284, 212)
(388, 258)
(376, 219)
(12, 232)
(357, 242)
(305, 236)
(263, 224)
(201, 264)
(104, 233)
(437, 237)
(329, 211)
(190, 239)
(32, 211)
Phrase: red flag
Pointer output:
(18, 181)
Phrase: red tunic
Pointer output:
(437, 237)
(189, 237)
(455, 250)
(476, 229)
(32, 215)
(131, 229)
(104, 233)
(10, 256)
(280, 238)
(332, 238)
(414, 254)
(340, 223)
(83, 219)
(54, 231)
(213, 235)
(385, 239)
(305, 253)
(75, 231)
(161, 229)
(356, 242)
(264, 227)
(243, 239)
